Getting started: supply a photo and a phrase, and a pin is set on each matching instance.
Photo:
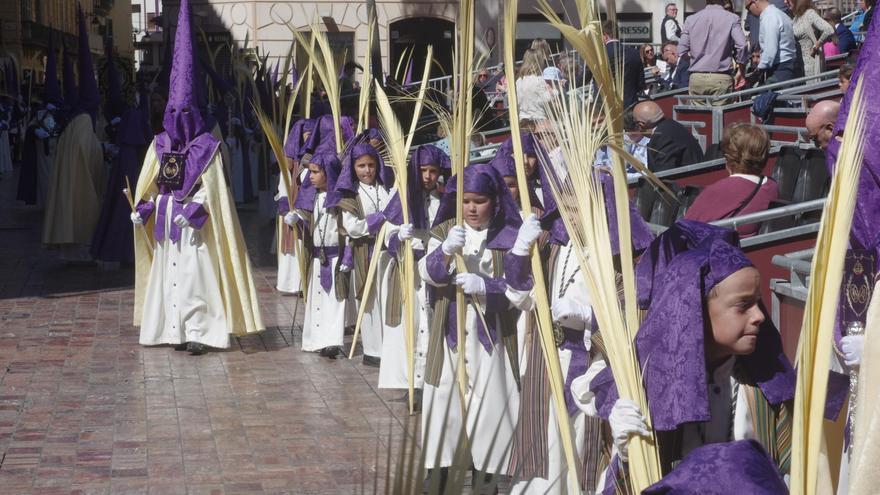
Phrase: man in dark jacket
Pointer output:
(846, 42)
(678, 74)
(671, 145)
(633, 70)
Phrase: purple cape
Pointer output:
(484, 179)
(723, 469)
(323, 138)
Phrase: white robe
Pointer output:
(183, 301)
(492, 397)
(324, 324)
(289, 276)
(373, 199)
(560, 276)
(394, 371)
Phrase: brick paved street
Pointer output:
(84, 409)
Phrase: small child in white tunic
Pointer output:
(324, 325)
(492, 393)
(361, 195)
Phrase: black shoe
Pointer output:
(181, 347)
(349, 330)
(196, 349)
(435, 482)
(372, 361)
(483, 483)
(330, 352)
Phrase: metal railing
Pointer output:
(790, 84)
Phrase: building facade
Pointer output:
(25, 26)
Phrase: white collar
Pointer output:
(752, 178)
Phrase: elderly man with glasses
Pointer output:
(709, 38)
(670, 30)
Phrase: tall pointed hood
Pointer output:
(71, 94)
(115, 105)
(185, 114)
(51, 89)
(89, 97)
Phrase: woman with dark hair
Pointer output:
(746, 190)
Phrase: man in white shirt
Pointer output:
(778, 47)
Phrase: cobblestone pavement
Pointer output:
(84, 409)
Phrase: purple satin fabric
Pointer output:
(484, 179)
(518, 272)
(374, 222)
(294, 147)
(680, 237)
(283, 206)
(51, 89)
(326, 275)
(866, 217)
(323, 137)
(71, 93)
(428, 154)
(730, 468)
(347, 185)
(487, 336)
(193, 211)
(89, 96)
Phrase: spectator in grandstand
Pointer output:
(669, 28)
(633, 71)
(844, 74)
(541, 46)
(671, 144)
(746, 190)
(677, 73)
(810, 32)
(709, 38)
(531, 90)
(752, 22)
(651, 62)
(779, 60)
(846, 42)
(820, 122)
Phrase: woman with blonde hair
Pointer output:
(531, 90)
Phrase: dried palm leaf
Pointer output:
(826, 275)
(542, 307)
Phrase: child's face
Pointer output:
(756, 58)
(317, 176)
(365, 169)
(512, 185)
(430, 176)
(478, 209)
(530, 163)
(844, 83)
(734, 315)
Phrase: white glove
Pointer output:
(290, 218)
(41, 133)
(851, 346)
(181, 221)
(454, 241)
(570, 312)
(344, 268)
(136, 218)
(405, 232)
(115, 120)
(626, 419)
(527, 235)
(471, 283)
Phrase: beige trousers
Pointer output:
(704, 83)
